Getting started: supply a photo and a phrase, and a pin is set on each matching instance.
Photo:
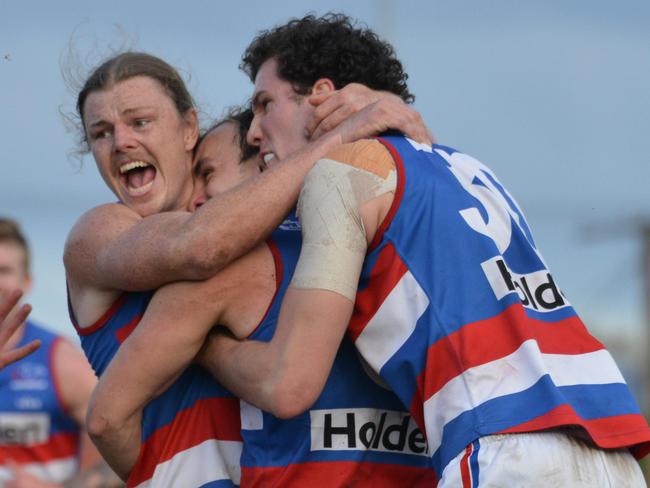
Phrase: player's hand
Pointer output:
(20, 478)
(9, 322)
(387, 113)
(333, 108)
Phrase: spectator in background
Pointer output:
(43, 397)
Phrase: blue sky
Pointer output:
(552, 95)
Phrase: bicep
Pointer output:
(111, 247)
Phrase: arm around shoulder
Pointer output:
(113, 248)
(286, 375)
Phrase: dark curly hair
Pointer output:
(331, 46)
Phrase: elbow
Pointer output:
(100, 424)
(97, 425)
(292, 398)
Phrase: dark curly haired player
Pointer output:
(330, 47)
(426, 260)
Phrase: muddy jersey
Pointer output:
(36, 431)
(459, 314)
(190, 433)
(356, 434)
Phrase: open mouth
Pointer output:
(137, 177)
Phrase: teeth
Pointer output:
(268, 157)
(132, 165)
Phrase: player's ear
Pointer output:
(322, 85)
(191, 130)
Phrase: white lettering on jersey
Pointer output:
(473, 176)
(536, 290)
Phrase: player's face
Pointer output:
(217, 166)
(141, 144)
(13, 275)
(280, 122)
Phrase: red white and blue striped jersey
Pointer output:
(356, 434)
(191, 433)
(36, 431)
(458, 313)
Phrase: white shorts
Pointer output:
(540, 459)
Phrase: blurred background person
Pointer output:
(43, 396)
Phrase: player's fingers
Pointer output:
(347, 94)
(317, 98)
(417, 130)
(344, 103)
(321, 110)
(408, 121)
(10, 324)
(432, 138)
(367, 122)
(9, 301)
(14, 355)
(333, 120)
(332, 104)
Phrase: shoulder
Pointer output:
(368, 154)
(101, 217)
(95, 228)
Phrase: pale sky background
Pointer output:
(553, 95)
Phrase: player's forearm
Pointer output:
(114, 425)
(249, 369)
(115, 433)
(284, 376)
(115, 410)
(116, 401)
(228, 226)
(137, 374)
(173, 328)
(111, 247)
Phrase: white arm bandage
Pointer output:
(334, 239)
